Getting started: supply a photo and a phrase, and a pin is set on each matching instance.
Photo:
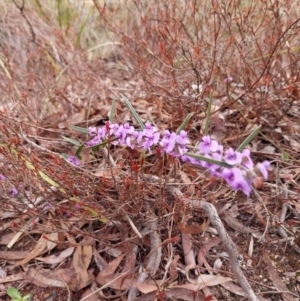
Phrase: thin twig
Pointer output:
(229, 245)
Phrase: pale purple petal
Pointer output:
(14, 192)
(263, 168)
(235, 178)
(92, 131)
(208, 145)
(74, 160)
(246, 160)
(182, 138)
(233, 157)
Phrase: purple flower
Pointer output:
(102, 133)
(129, 129)
(228, 79)
(208, 145)
(92, 131)
(150, 128)
(113, 128)
(77, 206)
(168, 142)
(121, 134)
(246, 160)
(2, 177)
(146, 138)
(182, 138)
(263, 169)
(150, 140)
(235, 178)
(239, 177)
(96, 140)
(14, 192)
(74, 160)
(175, 144)
(233, 157)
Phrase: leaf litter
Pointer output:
(129, 245)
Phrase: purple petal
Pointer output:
(246, 160)
(74, 160)
(204, 145)
(14, 192)
(263, 168)
(235, 178)
(233, 157)
(92, 131)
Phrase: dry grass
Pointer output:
(118, 217)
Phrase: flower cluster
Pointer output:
(238, 169)
(240, 172)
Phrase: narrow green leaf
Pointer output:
(202, 158)
(81, 28)
(285, 156)
(207, 121)
(48, 179)
(133, 111)
(13, 293)
(79, 129)
(72, 141)
(249, 139)
(112, 110)
(79, 150)
(184, 123)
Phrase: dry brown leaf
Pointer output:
(114, 252)
(73, 119)
(179, 292)
(6, 238)
(100, 261)
(122, 283)
(148, 297)
(237, 290)
(82, 276)
(204, 280)
(43, 278)
(53, 259)
(45, 243)
(130, 260)
(173, 268)
(188, 251)
(205, 249)
(90, 294)
(194, 229)
(236, 225)
(67, 274)
(186, 179)
(111, 267)
(278, 283)
(145, 288)
(13, 255)
(233, 288)
(87, 254)
(208, 295)
(12, 278)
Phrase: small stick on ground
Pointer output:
(229, 245)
